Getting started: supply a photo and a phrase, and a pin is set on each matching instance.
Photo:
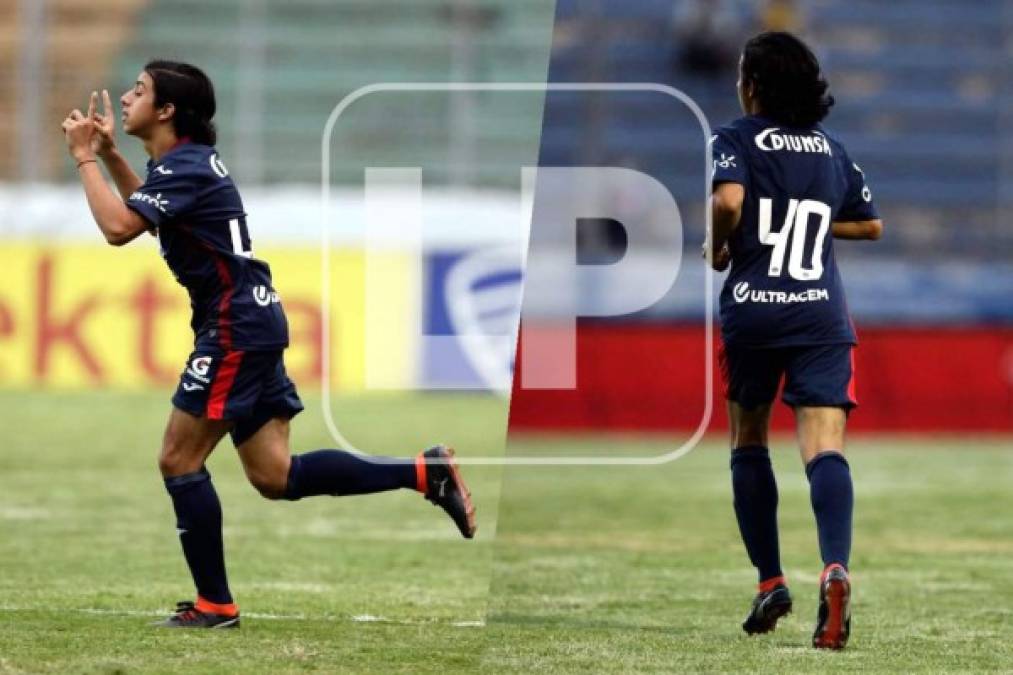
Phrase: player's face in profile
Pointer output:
(138, 105)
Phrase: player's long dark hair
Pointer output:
(786, 79)
(190, 91)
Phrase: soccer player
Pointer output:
(781, 185)
(234, 381)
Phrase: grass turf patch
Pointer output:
(591, 568)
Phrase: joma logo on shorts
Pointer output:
(742, 293)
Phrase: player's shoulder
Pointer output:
(192, 160)
(737, 130)
(837, 148)
(749, 125)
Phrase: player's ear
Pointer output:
(749, 89)
(166, 112)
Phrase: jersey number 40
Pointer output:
(795, 221)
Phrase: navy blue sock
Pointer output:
(755, 493)
(199, 523)
(336, 472)
(833, 500)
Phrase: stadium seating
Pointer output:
(82, 40)
(921, 87)
(281, 67)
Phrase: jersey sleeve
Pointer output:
(729, 162)
(857, 204)
(168, 193)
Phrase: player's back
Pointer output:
(784, 287)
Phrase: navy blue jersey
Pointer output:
(190, 198)
(784, 288)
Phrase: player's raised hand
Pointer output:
(78, 131)
(104, 140)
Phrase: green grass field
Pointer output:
(574, 568)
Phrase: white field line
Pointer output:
(358, 618)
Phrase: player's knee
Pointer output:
(269, 486)
(749, 425)
(176, 458)
(172, 464)
(168, 458)
(748, 436)
(811, 451)
(750, 432)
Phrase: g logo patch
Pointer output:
(200, 365)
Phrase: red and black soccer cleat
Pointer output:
(188, 615)
(833, 622)
(440, 481)
(768, 607)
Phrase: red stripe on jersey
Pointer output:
(228, 288)
(851, 380)
(224, 326)
(222, 384)
(723, 365)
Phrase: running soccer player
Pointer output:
(781, 185)
(234, 381)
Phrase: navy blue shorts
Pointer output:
(249, 388)
(816, 375)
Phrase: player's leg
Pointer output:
(276, 474)
(186, 444)
(819, 387)
(821, 442)
(755, 490)
(203, 404)
(279, 475)
(820, 429)
(266, 458)
(751, 379)
(262, 441)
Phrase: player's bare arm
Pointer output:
(858, 230)
(726, 211)
(118, 224)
